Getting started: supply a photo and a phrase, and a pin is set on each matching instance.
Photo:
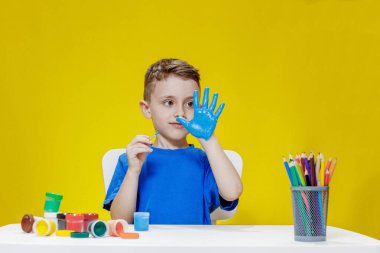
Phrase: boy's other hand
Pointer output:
(136, 152)
(204, 122)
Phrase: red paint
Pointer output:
(75, 222)
(88, 217)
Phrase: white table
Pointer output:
(198, 239)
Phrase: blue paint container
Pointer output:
(141, 221)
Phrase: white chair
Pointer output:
(111, 157)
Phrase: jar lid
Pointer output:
(141, 214)
(62, 215)
(90, 216)
(63, 232)
(54, 195)
(27, 223)
(80, 235)
(74, 217)
(129, 235)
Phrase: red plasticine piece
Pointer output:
(119, 228)
(129, 235)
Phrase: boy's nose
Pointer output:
(179, 112)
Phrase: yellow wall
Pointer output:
(296, 76)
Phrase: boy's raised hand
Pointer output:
(204, 122)
(136, 152)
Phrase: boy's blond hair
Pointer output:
(163, 68)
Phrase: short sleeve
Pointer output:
(213, 199)
(117, 179)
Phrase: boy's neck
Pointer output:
(164, 143)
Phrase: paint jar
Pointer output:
(52, 202)
(61, 217)
(74, 222)
(141, 221)
(97, 228)
(27, 222)
(88, 217)
(45, 227)
(36, 218)
(52, 217)
(117, 226)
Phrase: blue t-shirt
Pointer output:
(176, 186)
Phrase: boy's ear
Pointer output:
(145, 109)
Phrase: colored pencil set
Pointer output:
(310, 178)
(308, 171)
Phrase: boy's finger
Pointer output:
(196, 99)
(219, 111)
(183, 121)
(213, 102)
(140, 145)
(140, 139)
(205, 98)
(130, 149)
(137, 151)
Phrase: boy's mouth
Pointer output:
(177, 125)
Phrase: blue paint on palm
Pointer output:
(204, 121)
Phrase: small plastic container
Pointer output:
(61, 217)
(74, 222)
(88, 217)
(27, 222)
(97, 228)
(52, 217)
(52, 202)
(141, 221)
(45, 227)
(117, 226)
(36, 218)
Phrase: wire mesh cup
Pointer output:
(310, 206)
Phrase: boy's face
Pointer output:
(171, 98)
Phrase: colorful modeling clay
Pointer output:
(141, 221)
(75, 222)
(88, 217)
(129, 235)
(27, 223)
(97, 228)
(116, 226)
(52, 202)
(45, 227)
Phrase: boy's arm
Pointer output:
(124, 204)
(227, 179)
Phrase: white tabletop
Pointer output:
(166, 239)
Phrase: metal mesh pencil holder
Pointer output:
(310, 206)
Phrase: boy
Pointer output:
(174, 181)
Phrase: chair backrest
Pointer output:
(110, 159)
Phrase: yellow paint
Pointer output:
(42, 227)
(295, 76)
(45, 227)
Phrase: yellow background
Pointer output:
(295, 75)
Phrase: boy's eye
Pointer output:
(168, 103)
(190, 104)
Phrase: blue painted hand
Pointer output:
(204, 122)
